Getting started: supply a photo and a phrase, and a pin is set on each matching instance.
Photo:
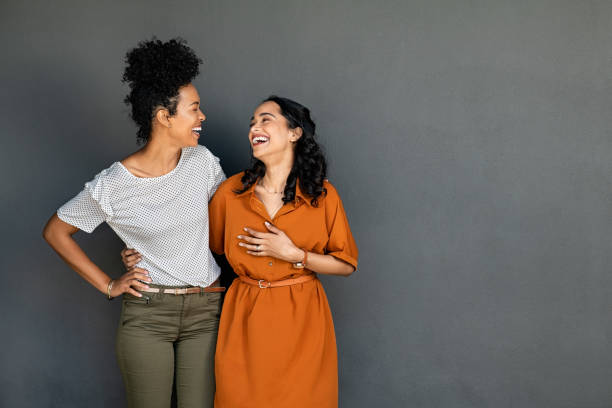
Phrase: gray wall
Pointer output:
(469, 140)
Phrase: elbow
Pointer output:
(349, 270)
(47, 233)
(51, 231)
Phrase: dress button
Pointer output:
(270, 263)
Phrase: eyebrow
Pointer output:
(262, 114)
(194, 103)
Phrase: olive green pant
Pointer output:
(165, 339)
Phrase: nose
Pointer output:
(201, 116)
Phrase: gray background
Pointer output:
(469, 140)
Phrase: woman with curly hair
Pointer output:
(156, 200)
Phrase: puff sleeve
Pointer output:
(89, 208)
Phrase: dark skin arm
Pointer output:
(58, 235)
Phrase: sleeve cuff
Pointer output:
(69, 220)
(344, 257)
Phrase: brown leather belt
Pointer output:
(186, 291)
(264, 284)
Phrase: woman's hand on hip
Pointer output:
(130, 282)
(274, 243)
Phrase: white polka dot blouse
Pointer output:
(164, 218)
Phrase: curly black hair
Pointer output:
(309, 166)
(155, 71)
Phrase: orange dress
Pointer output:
(276, 346)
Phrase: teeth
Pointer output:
(260, 139)
(197, 129)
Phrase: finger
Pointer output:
(255, 233)
(272, 228)
(133, 292)
(251, 247)
(139, 270)
(129, 251)
(139, 285)
(134, 283)
(133, 256)
(252, 240)
(130, 264)
(131, 260)
(142, 277)
(257, 253)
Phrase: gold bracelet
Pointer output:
(109, 288)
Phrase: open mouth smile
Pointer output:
(259, 140)
(196, 131)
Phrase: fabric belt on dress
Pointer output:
(186, 291)
(264, 284)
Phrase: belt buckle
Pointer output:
(259, 282)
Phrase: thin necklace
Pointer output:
(268, 191)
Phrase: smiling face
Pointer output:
(270, 134)
(186, 124)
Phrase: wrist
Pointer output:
(301, 264)
(109, 288)
(298, 255)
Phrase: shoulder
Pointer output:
(106, 182)
(230, 185)
(329, 187)
(109, 175)
(331, 195)
(199, 153)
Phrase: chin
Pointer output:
(191, 143)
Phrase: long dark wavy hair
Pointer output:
(155, 71)
(309, 165)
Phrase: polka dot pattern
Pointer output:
(165, 218)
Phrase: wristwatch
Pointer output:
(301, 264)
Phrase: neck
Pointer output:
(160, 154)
(276, 175)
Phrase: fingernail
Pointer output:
(245, 229)
(241, 244)
(140, 295)
(239, 236)
(150, 280)
(267, 224)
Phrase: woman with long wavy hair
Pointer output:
(279, 223)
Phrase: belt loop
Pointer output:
(201, 291)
